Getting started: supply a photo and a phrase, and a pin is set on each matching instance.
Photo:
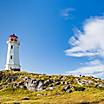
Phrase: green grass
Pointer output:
(8, 95)
(91, 95)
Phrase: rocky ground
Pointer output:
(17, 87)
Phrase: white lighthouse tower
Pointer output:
(13, 62)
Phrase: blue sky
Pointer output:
(46, 28)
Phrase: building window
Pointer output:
(11, 57)
(11, 39)
(11, 46)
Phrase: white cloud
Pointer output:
(90, 41)
(93, 63)
(92, 70)
(67, 12)
(95, 68)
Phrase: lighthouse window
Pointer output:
(11, 57)
(11, 39)
(11, 47)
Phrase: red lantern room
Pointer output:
(13, 38)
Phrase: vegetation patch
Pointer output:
(29, 88)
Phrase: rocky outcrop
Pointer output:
(33, 84)
(42, 82)
(40, 85)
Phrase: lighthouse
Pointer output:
(12, 61)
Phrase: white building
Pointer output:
(13, 62)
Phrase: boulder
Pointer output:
(33, 84)
(39, 86)
(69, 91)
(47, 82)
(101, 85)
(57, 83)
(66, 87)
(50, 88)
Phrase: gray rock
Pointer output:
(47, 82)
(26, 78)
(50, 88)
(22, 87)
(101, 85)
(62, 82)
(39, 86)
(69, 91)
(14, 86)
(57, 83)
(30, 84)
(67, 87)
(33, 84)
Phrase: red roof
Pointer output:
(13, 37)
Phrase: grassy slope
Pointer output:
(10, 96)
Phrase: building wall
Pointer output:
(12, 61)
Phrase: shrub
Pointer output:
(79, 88)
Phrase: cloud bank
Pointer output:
(87, 43)
(90, 41)
(94, 68)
